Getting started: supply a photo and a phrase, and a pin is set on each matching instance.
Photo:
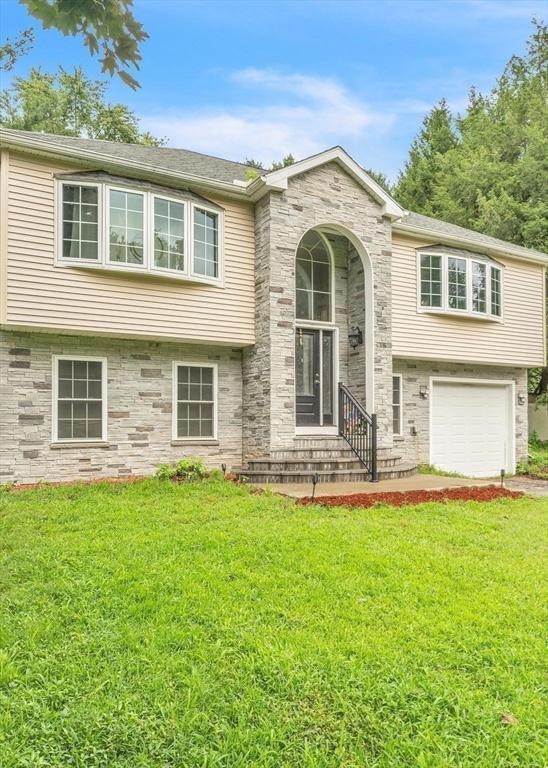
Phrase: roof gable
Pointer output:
(278, 180)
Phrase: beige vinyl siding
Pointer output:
(517, 340)
(42, 295)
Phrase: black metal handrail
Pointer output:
(359, 429)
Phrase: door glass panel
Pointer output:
(304, 356)
(327, 377)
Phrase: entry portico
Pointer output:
(323, 262)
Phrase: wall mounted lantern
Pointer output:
(423, 391)
(355, 337)
(521, 398)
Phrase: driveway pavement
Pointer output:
(528, 485)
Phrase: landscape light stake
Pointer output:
(223, 467)
(502, 473)
(315, 480)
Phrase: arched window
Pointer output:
(313, 278)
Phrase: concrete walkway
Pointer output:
(413, 483)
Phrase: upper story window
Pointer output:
(169, 234)
(111, 227)
(126, 227)
(80, 217)
(313, 279)
(459, 284)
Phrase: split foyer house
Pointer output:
(158, 303)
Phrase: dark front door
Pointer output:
(314, 377)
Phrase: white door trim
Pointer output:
(324, 429)
(510, 386)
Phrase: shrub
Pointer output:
(185, 471)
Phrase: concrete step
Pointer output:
(315, 464)
(402, 469)
(342, 452)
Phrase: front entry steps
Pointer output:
(331, 459)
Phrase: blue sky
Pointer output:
(260, 79)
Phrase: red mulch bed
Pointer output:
(399, 498)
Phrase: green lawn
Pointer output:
(197, 626)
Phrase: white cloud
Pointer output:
(301, 114)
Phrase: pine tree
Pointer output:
(416, 184)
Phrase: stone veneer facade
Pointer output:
(325, 196)
(415, 448)
(139, 399)
(256, 385)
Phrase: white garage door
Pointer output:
(470, 428)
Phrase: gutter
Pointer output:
(44, 147)
(535, 257)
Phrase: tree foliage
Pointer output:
(11, 50)
(108, 28)
(69, 104)
(488, 168)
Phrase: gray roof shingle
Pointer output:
(162, 158)
(444, 229)
(216, 169)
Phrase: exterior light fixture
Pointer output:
(423, 391)
(521, 398)
(355, 337)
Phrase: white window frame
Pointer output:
(469, 312)
(59, 223)
(103, 261)
(303, 321)
(399, 376)
(106, 233)
(174, 400)
(220, 238)
(489, 282)
(186, 236)
(55, 399)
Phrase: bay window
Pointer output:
(479, 287)
(120, 228)
(80, 222)
(206, 246)
(456, 283)
(169, 234)
(496, 291)
(126, 226)
(453, 282)
(430, 281)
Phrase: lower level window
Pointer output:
(79, 399)
(397, 425)
(195, 401)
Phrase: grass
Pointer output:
(537, 464)
(430, 469)
(153, 625)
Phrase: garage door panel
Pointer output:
(470, 428)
